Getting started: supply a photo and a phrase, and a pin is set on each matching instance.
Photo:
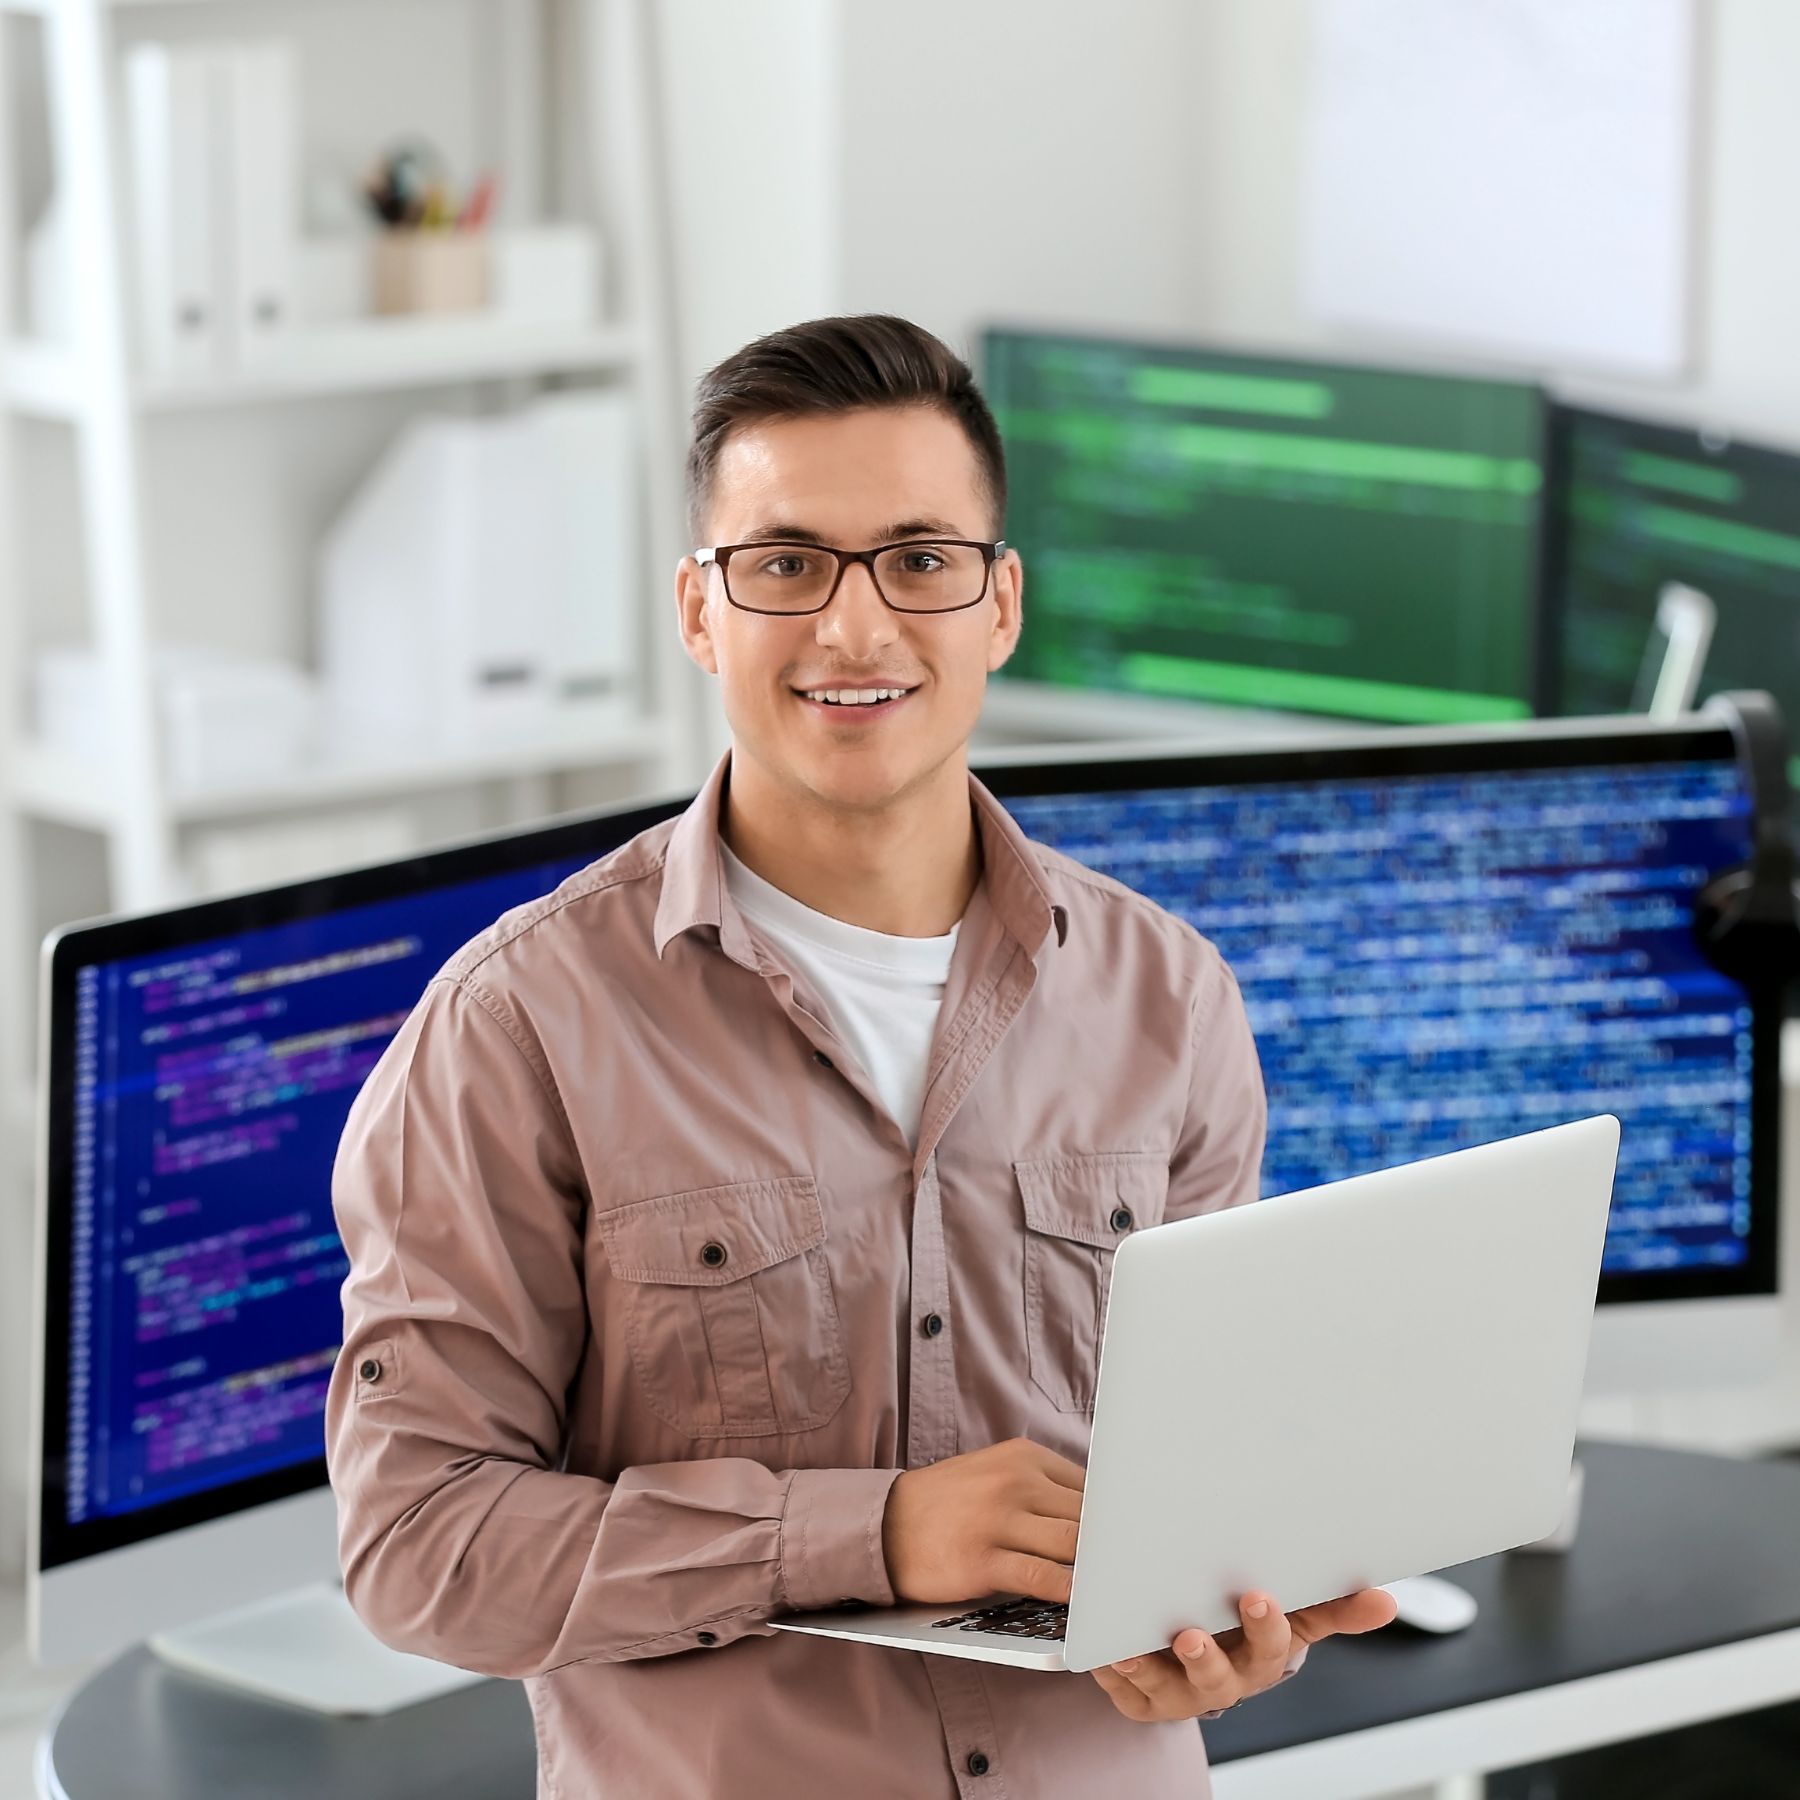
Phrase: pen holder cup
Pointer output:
(431, 271)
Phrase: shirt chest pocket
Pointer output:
(1078, 1209)
(730, 1313)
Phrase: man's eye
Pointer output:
(921, 562)
(786, 566)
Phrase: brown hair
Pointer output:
(834, 366)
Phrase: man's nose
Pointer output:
(858, 621)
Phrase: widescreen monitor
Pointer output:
(1302, 536)
(1636, 506)
(1443, 937)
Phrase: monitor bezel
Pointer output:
(1421, 751)
(1542, 670)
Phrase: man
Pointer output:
(730, 1228)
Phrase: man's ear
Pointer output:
(690, 606)
(1009, 608)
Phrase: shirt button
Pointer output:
(370, 1371)
(708, 1638)
(823, 1060)
(713, 1255)
(978, 1764)
(1121, 1219)
(931, 1324)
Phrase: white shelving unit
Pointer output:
(589, 65)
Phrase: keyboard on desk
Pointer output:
(1012, 1618)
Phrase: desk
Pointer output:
(1679, 1602)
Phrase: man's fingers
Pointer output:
(1060, 1470)
(1160, 1678)
(1052, 1539)
(1130, 1699)
(1055, 1501)
(1365, 1611)
(1211, 1678)
(1015, 1572)
(1267, 1639)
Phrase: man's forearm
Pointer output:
(513, 1570)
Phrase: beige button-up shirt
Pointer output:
(650, 1302)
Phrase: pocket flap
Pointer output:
(1079, 1197)
(714, 1235)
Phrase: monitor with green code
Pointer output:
(1302, 536)
(1640, 505)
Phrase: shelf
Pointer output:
(367, 355)
(51, 785)
(42, 379)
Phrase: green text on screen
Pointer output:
(1643, 505)
(1295, 535)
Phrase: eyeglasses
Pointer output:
(921, 575)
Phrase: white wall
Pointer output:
(1031, 163)
(954, 162)
(751, 105)
(1746, 363)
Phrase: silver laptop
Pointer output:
(1319, 1393)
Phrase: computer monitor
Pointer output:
(1315, 538)
(1449, 937)
(1636, 506)
(199, 1065)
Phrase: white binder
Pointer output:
(263, 130)
(177, 175)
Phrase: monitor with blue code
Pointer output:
(1302, 536)
(202, 1076)
(1437, 956)
(1442, 941)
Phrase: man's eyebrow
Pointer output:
(779, 531)
(918, 528)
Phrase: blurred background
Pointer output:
(1360, 361)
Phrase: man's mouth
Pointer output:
(860, 700)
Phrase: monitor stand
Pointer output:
(309, 1649)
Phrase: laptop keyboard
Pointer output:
(1012, 1618)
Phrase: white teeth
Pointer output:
(856, 696)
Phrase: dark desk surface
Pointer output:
(1677, 1553)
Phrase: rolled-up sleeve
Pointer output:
(461, 1203)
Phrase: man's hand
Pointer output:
(999, 1520)
(1204, 1674)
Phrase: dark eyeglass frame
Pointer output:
(719, 556)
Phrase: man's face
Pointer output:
(854, 481)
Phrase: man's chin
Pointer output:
(860, 777)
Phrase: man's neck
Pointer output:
(907, 869)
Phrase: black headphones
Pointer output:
(1746, 919)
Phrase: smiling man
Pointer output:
(730, 1228)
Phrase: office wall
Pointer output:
(952, 162)
(1247, 207)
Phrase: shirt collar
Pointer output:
(694, 893)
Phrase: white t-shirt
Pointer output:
(881, 993)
